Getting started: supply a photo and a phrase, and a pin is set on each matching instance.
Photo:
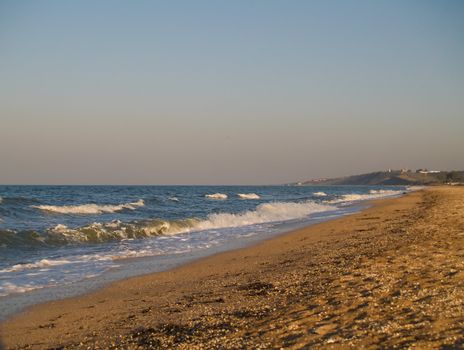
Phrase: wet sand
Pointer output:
(391, 276)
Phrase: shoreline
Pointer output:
(306, 286)
(157, 264)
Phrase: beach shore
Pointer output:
(391, 276)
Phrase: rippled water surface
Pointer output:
(55, 236)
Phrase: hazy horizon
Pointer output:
(243, 92)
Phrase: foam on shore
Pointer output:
(266, 212)
(44, 263)
(373, 194)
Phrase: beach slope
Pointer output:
(391, 276)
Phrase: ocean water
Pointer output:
(58, 241)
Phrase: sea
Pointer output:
(61, 241)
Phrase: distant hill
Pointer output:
(394, 177)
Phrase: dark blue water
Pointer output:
(56, 236)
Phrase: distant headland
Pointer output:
(394, 177)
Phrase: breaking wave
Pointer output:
(267, 212)
(216, 196)
(90, 208)
(373, 194)
(248, 196)
(36, 265)
(385, 192)
(319, 194)
(117, 230)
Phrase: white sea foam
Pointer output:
(174, 199)
(216, 196)
(384, 192)
(373, 194)
(90, 208)
(319, 194)
(95, 232)
(248, 196)
(10, 288)
(36, 265)
(60, 228)
(117, 230)
(415, 188)
(45, 264)
(266, 212)
(25, 277)
(48, 272)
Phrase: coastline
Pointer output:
(325, 285)
(144, 265)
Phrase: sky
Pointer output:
(228, 92)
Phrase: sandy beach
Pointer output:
(391, 276)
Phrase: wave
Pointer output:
(385, 192)
(90, 208)
(415, 188)
(44, 263)
(373, 194)
(10, 288)
(216, 196)
(96, 232)
(248, 196)
(41, 273)
(118, 231)
(319, 194)
(264, 213)
(173, 199)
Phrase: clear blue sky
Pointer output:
(228, 92)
